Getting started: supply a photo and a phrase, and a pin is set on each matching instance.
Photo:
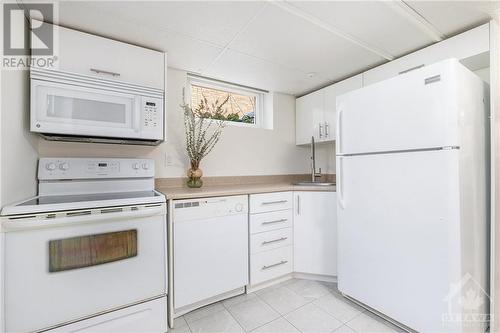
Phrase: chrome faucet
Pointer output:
(314, 175)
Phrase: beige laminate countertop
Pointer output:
(226, 190)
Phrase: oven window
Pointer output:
(91, 250)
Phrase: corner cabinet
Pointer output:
(315, 233)
(316, 112)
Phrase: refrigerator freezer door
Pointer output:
(416, 110)
(399, 233)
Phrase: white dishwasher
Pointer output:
(210, 248)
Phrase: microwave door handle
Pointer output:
(50, 105)
(137, 114)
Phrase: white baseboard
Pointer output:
(269, 283)
(315, 277)
(188, 308)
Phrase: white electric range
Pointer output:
(87, 254)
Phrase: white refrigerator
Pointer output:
(413, 198)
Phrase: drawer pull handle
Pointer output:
(282, 262)
(274, 202)
(275, 221)
(100, 71)
(274, 240)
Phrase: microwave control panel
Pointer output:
(152, 111)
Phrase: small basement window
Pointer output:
(245, 106)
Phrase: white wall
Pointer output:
(241, 151)
(484, 74)
(19, 147)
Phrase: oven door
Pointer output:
(70, 268)
(67, 109)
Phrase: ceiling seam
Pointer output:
(331, 29)
(286, 67)
(409, 13)
(238, 33)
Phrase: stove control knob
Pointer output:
(238, 207)
(136, 166)
(145, 166)
(64, 166)
(50, 166)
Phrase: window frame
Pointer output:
(232, 88)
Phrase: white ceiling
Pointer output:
(277, 45)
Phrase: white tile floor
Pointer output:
(290, 307)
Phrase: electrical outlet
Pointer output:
(167, 160)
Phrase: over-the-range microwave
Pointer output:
(74, 107)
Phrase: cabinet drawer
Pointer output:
(268, 202)
(270, 240)
(105, 58)
(270, 221)
(144, 317)
(270, 264)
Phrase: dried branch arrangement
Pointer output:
(202, 130)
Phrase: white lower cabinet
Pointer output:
(271, 236)
(315, 233)
(299, 235)
(271, 264)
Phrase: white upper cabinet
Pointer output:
(87, 54)
(308, 112)
(316, 113)
(331, 93)
(466, 45)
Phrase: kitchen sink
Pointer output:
(311, 183)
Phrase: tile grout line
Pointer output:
(211, 314)
(235, 319)
(308, 302)
(189, 327)
(283, 315)
(280, 315)
(319, 308)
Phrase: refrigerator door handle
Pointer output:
(340, 185)
(339, 131)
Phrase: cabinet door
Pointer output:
(309, 109)
(466, 45)
(331, 93)
(87, 54)
(315, 233)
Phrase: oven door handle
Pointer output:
(99, 215)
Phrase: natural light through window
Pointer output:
(243, 105)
